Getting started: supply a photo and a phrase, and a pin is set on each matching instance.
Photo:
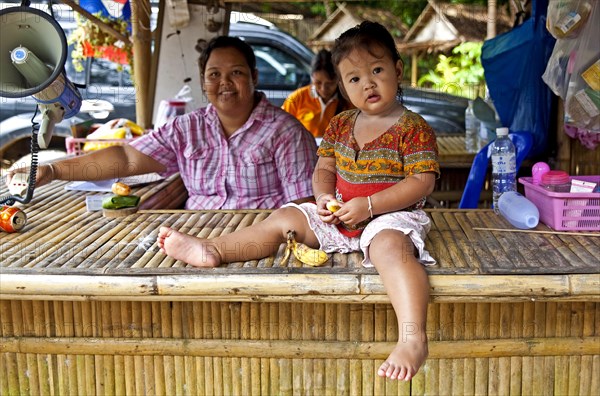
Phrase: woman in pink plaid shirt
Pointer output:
(239, 152)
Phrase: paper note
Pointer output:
(105, 185)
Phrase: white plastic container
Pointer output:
(518, 210)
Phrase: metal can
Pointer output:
(12, 219)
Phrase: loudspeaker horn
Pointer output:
(33, 52)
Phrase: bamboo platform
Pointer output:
(455, 164)
(453, 153)
(89, 306)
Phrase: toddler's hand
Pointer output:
(325, 214)
(354, 211)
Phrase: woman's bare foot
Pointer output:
(187, 248)
(405, 360)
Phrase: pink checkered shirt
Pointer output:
(269, 161)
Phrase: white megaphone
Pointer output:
(33, 52)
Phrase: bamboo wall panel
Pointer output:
(168, 348)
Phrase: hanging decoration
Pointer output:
(90, 41)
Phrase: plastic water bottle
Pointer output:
(504, 166)
(483, 135)
(518, 210)
(471, 129)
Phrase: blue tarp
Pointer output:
(514, 63)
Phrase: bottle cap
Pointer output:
(501, 131)
(555, 177)
(537, 170)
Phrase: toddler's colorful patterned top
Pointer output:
(407, 148)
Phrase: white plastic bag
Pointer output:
(566, 18)
(176, 106)
(574, 66)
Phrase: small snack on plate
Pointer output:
(119, 188)
(119, 202)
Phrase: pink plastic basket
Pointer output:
(77, 146)
(566, 211)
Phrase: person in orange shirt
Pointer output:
(315, 104)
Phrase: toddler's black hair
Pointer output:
(369, 36)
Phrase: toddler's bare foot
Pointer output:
(187, 248)
(405, 360)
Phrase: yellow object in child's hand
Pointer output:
(333, 206)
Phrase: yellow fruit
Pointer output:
(303, 253)
(333, 206)
(308, 256)
(122, 189)
(133, 127)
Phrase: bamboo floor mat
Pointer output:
(62, 237)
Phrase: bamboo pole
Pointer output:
(516, 363)
(379, 336)
(445, 365)
(470, 334)
(142, 39)
(578, 233)
(197, 312)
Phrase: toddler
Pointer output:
(380, 162)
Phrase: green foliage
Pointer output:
(459, 74)
(407, 10)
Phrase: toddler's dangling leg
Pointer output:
(407, 286)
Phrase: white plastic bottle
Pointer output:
(504, 166)
(518, 210)
(471, 129)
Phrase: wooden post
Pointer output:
(141, 38)
(491, 19)
(563, 154)
(414, 75)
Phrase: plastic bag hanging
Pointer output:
(573, 71)
(176, 106)
(179, 14)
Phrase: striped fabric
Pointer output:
(269, 161)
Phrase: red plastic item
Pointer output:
(556, 180)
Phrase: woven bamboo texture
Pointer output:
(200, 348)
(61, 237)
(455, 164)
(453, 153)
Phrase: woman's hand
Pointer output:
(353, 211)
(44, 174)
(325, 214)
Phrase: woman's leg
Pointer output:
(255, 242)
(407, 286)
